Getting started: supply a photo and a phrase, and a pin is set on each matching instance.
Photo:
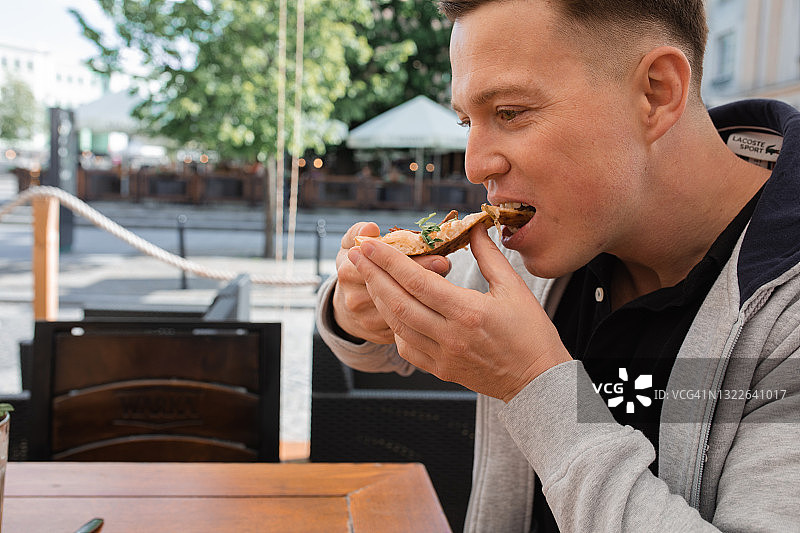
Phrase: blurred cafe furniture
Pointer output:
(100, 184)
(384, 417)
(25, 178)
(169, 185)
(231, 303)
(225, 186)
(166, 390)
(324, 190)
(164, 185)
(394, 195)
(214, 497)
(316, 189)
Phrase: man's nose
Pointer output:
(483, 159)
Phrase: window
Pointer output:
(726, 58)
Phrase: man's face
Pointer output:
(545, 132)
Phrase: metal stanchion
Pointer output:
(182, 246)
(321, 234)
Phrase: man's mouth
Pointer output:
(514, 215)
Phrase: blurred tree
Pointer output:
(410, 42)
(210, 67)
(19, 112)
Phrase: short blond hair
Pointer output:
(616, 21)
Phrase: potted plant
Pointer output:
(5, 420)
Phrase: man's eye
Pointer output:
(464, 123)
(507, 114)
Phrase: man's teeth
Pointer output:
(512, 205)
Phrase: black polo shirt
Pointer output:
(641, 337)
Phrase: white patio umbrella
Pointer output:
(110, 113)
(419, 124)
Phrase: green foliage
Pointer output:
(212, 66)
(410, 43)
(18, 111)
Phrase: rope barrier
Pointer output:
(81, 208)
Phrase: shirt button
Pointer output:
(598, 294)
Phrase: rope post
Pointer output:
(182, 246)
(45, 258)
(321, 233)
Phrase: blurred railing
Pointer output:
(45, 201)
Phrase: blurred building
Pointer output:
(753, 51)
(55, 81)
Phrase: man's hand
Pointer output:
(353, 308)
(494, 343)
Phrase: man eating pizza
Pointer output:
(656, 245)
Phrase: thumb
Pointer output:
(369, 229)
(493, 264)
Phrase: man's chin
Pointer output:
(544, 269)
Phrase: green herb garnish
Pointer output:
(428, 227)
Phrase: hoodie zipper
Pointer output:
(749, 309)
(702, 450)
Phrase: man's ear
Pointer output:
(663, 78)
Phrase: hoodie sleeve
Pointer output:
(365, 356)
(595, 472)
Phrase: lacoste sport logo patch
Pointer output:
(756, 145)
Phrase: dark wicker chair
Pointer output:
(358, 416)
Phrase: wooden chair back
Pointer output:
(139, 391)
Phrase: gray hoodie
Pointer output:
(728, 457)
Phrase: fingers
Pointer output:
(355, 313)
(493, 264)
(368, 229)
(392, 299)
(434, 263)
(424, 285)
(353, 309)
(418, 358)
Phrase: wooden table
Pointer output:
(206, 497)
